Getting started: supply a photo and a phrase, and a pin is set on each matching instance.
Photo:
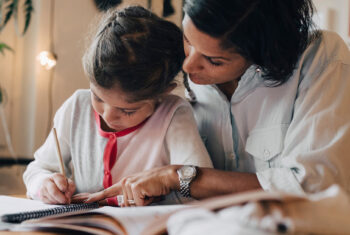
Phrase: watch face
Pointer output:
(188, 172)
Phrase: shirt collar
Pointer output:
(250, 80)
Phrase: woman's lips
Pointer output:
(194, 77)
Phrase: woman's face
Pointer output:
(115, 111)
(206, 62)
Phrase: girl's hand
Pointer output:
(80, 197)
(143, 188)
(57, 189)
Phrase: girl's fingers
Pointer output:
(70, 191)
(46, 200)
(56, 194)
(60, 181)
(80, 198)
(46, 197)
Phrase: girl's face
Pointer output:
(206, 62)
(116, 113)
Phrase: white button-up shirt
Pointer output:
(296, 136)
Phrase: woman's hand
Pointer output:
(143, 188)
(57, 189)
(82, 197)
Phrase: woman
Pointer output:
(272, 105)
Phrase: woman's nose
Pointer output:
(192, 62)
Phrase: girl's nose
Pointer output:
(109, 115)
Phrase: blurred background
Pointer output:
(41, 68)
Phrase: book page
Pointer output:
(71, 223)
(135, 219)
(105, 220)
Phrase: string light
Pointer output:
(47, 59)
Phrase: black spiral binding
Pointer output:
(19, 217)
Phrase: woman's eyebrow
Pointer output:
(207, 57)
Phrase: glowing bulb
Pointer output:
(47, 59)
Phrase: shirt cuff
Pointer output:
(279, 179)
(112, 201)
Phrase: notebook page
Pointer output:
(14, 205)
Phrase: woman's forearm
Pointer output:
(211, 182)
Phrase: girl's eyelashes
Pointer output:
(128, 113)
(97, 99)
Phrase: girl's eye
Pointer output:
(97, 99)
(128, 113)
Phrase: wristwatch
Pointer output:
(186, 175)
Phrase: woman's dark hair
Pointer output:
(270, 33)
(135, 50)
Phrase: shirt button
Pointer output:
(266, 153)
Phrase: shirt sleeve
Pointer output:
(317, 143)
(183, 141)
(46, 161)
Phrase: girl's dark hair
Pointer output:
(270, 33)
(135, 50)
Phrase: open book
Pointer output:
(103, 220)
(261, 212)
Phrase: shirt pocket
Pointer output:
(266, 143)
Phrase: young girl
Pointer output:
(127, 122)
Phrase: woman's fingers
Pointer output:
(112, 191)
(140, 189)
(127, 184)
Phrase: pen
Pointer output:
(59, 155)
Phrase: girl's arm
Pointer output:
(183, 142)
(41, 175)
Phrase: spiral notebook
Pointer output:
(77, 218)
(35, 214)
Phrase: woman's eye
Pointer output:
(186, 40)
(212, 62)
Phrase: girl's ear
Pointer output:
(171, 87)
